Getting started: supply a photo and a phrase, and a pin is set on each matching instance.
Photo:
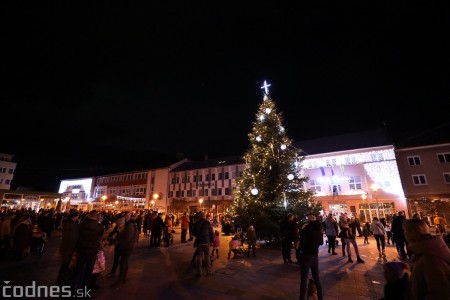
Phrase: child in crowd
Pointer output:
(366, 232)
(99, 266)
(388, 234)
(396, 274)
(216, 244)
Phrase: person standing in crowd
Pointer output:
(113, 235)
(216, 244)
(288, 230)
(204, 236)
(88, 243)
(184, 227)
(157, 227)
(68, 245)
(358, 224)
(399, 237)
(349, 232)
(126, 240)
(311, 237)
(251, 239)
(146, 225)
(378, 233)
(21, 234)
(366, 232)
(331, 231)
(5, 234)
(191, 226)
(343, 223)
(430, 276)
(168, 227)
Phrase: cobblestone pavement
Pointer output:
(166, 273)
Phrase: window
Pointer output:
(419, 179)
(334, 188)
(125, 191)
(444, 158)
(315, 186)
(140, 190)
(11, 171)
(7, 181)
(414, 160)
(447, 177)
(355, 182)
(228, 191)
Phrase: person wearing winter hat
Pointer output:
(397, 278)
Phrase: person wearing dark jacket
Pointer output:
(126, 239)
(68, 245)
(288, 232)
(311, 237)
(157, 227)
(398, 235)
(113, 236)
(88, 244)
(204, 238)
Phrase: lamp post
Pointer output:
(364, 197)
(375, 190)
(200, 201)
(152, 203)
(155, 197)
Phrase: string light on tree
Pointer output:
(272, 166)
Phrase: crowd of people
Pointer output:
(422, 267)
(421, 271)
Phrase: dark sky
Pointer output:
(95, 89)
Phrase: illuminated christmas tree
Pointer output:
(272, 184)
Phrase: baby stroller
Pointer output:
(167, 239)
(38, 241)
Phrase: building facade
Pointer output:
(425, 174)
(7, 169)
(204, 185)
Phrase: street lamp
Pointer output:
(200, 201)
(364, 197)
(374, 187)
(152, 203)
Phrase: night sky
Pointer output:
(90, 90)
